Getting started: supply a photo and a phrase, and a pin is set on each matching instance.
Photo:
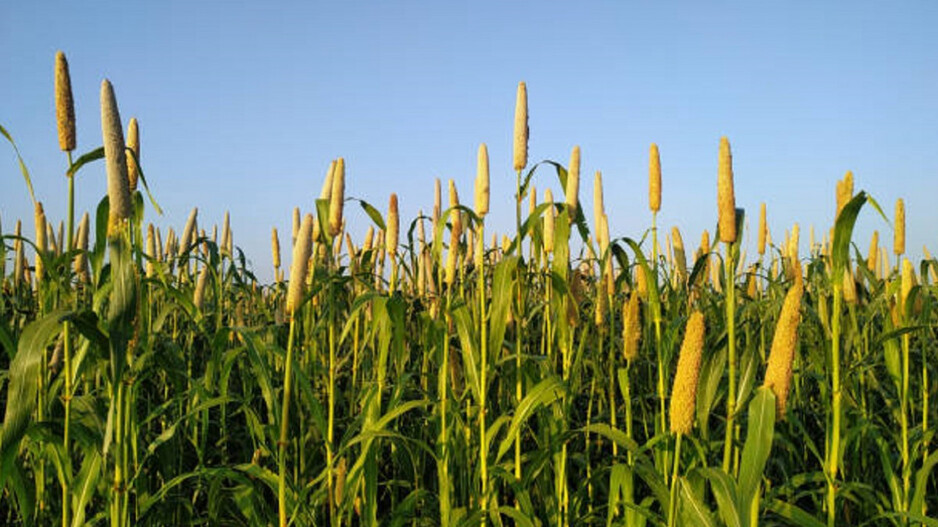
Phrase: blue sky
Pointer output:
(242, 105)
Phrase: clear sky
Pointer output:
(242, 105)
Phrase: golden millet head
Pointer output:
(763, 229)
(151, 250)
(549, 222)
(118, 189)
(908, 280)
(64, 104)
(42, 235)
(599, 207)
(300, 264)
(874, 252)
(521, 128)
(394, 227)
(437, 201)
(133, 144)
(275, 247)
(188, 232)
(482, 181)
(684, 389)
(572, 192)
(850, 288)
(337, 198)
(631, 328)
(198, 296)
(899, 237)
(726, 200)
(782, 355)
(654, 179)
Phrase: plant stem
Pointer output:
(483, 382)
(730, 289)
(834, 452)
(672, 505)
(284, 422)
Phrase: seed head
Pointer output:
(654, 179)
(337, 198)
(482, 181)
(300, 265)
(133, 143)
(81, 261)
(641, 282)
(64, 105)
(369, 239)
(599, 208)
(226, 245)
(198, 296)
(19, 258)
(726, 200)
(151, 251)
(394, 227)
(572, 192)
(874, 252)
(899, 236)
(521, 128)
(437, 202)
(275, 247)
(118, 190)
(549, 222)
(451, 257)
(680, 255)
(908, 280)
(850, 288)
(684, 390)
(42, 244)
(763, 229)
(631, 328)
(456, 215)
(778, 371)
(189, 231)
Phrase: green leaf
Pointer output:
(23, 169)
(373, 213)
(501, 303)
(615, 435)
(97, 153)
(469, 346)
(545, 393)
(843, 231)
(726, 493)
(143, 179)
(794, 514)
(21, 394)
(921, 482)
(758, 445)
(693, 510)
(85, 484)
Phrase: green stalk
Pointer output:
(612, 377)
(904, 408)
(443, 470)
(925, 437)
(118, 483)
(483, 445)
(672, 505)
(833, 453)
(518, 329)
(629, 490)
(330, 437)
(662, 367)
(67, 352)
(730, 289)
(284, 419)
